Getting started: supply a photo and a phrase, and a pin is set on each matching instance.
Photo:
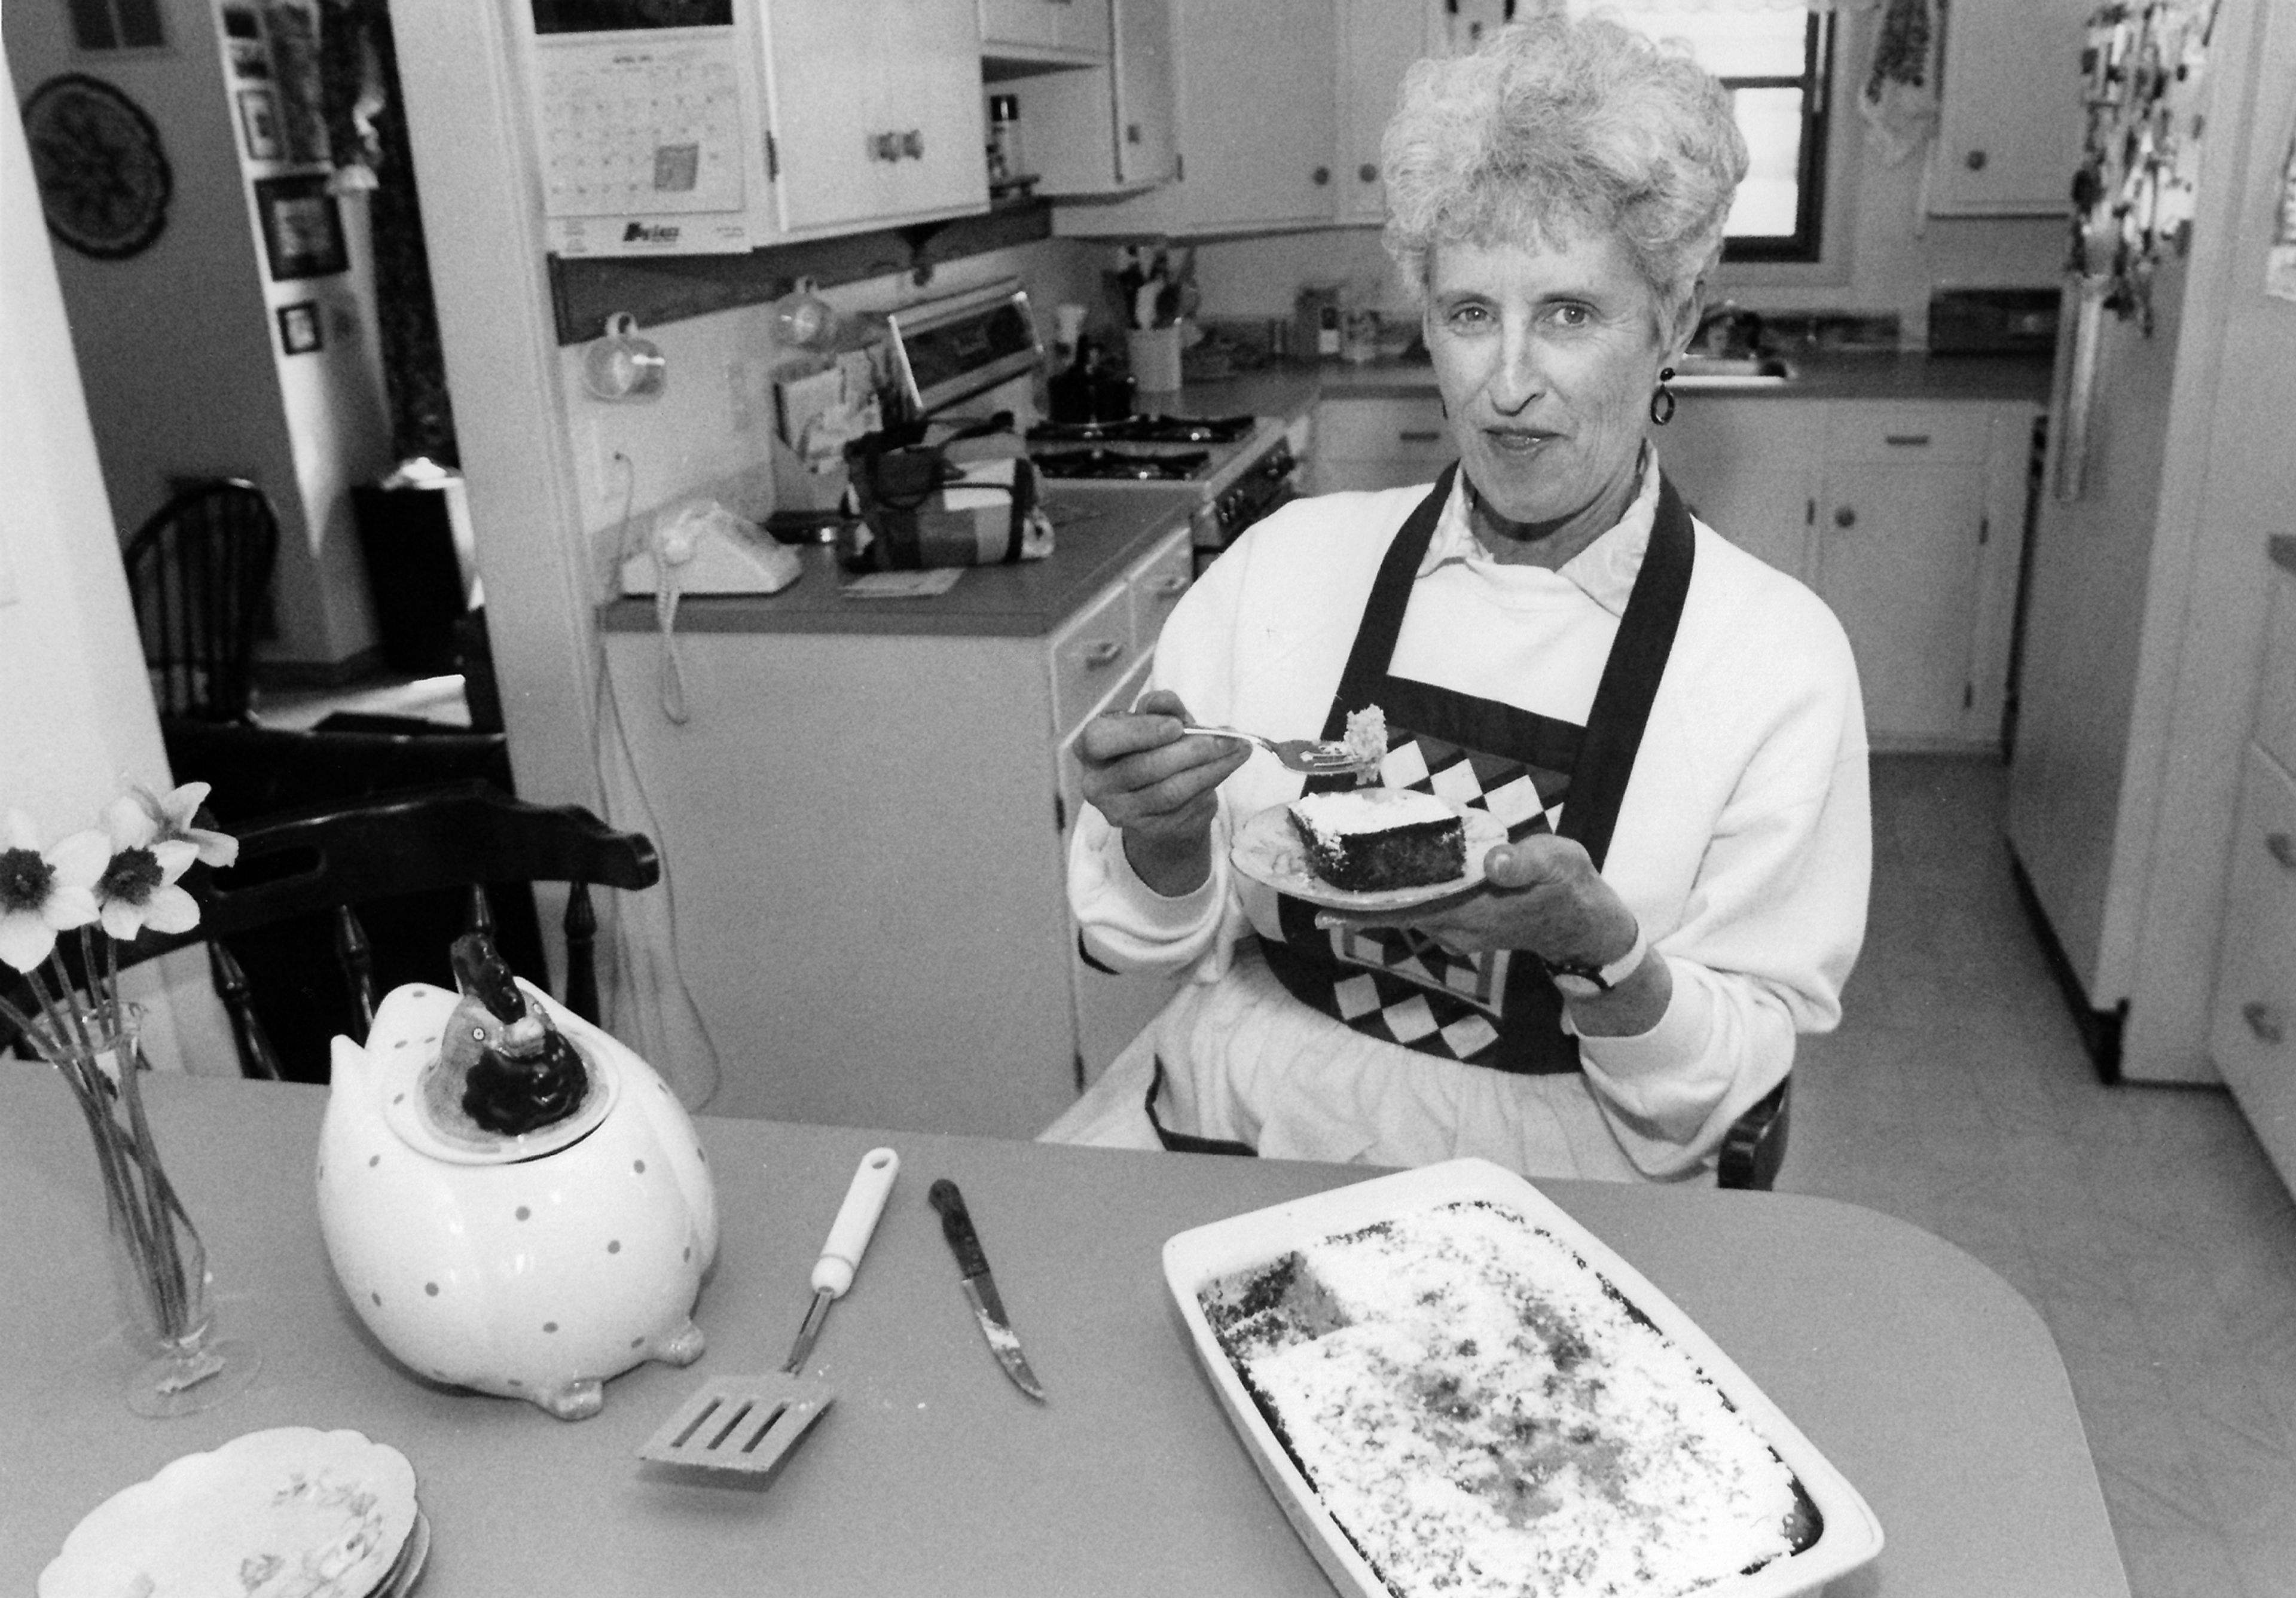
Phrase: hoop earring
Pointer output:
(1661, 405)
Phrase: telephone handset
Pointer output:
(707, 549)
(703, 549)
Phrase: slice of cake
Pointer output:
(1375, 839)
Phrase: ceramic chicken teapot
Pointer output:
(512, 1200)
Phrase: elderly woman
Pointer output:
(1669, 729)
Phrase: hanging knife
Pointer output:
(980, 1287)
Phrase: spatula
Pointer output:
(746, 1425)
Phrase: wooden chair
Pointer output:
(325, 863)
(1755, 1146)
(199, 574)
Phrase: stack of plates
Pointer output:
(292, 1511)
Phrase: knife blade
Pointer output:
(980, 1288)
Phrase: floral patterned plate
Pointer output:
(290, 1512)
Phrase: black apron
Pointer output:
(1535, 773)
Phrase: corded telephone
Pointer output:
(707, 549)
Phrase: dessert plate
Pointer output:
(1267, 851)
(292, 1511)
(1209, 1258)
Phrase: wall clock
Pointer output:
(103, 179)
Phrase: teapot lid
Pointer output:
(418, 1107)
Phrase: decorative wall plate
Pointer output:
(104, 180)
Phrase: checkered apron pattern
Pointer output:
(1500, 1009)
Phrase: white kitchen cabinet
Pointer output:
(1044, 31)
(1385, 442)
(1105, 129)
(1379, 39)
(865, 837)
(1751, 470)
(2253, 1019)
(876, 112)
(2010, 121)
(1254, 102)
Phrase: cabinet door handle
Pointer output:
(1132, 133)
(1844, 516)
(1974, 160)
(884, 147)
(1322, 174)
(1368, 171)
(913, 143)
(2263, 1020)
(2281, 848)
(1420, 435)
(1907, 441)
(1101, 652)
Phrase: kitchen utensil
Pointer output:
(1196, 1261)
(746, 1425)
(980, 1287)
(1267, 851)
(1317, 756)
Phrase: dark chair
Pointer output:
(199, 574)
(316, 868)
(1755, 1146)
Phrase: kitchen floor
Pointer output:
(2145, 1224)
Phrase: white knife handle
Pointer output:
(857, 1220)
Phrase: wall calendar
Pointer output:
(643, 146)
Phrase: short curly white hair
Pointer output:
(1553, 124)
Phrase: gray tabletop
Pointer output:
(1917, 1371)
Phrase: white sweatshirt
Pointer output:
(1742, 845)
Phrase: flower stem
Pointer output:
(156, 1194)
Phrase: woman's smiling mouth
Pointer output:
(1514, 440)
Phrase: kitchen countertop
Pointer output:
(1099, 530)
(1096, 533)
(1292, 390)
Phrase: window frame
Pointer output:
(1806, 244)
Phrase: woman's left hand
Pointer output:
(1542, 894)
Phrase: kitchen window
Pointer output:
(1774, 61)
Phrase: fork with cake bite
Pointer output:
(1317, 756)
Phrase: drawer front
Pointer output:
(2253, 1030)
(1155, 585)
(1383, 429)
(1861, 431)
(2275, 702)
(1090, 655)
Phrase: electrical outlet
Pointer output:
(610, 467)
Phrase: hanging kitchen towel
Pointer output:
(1900, 99)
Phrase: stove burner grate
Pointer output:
(1175, 467)
(1145, 429)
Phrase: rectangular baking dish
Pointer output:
(1851, 1535)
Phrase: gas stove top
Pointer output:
(1145, 429)
(1121, 465)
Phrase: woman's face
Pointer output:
(1547, 356)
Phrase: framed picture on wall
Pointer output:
(299, 331)
(302, 230)
(258, 124)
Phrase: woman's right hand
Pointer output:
(1158, 788)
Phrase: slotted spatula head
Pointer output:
(745, 1425)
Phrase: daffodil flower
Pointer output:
(42, 893)
(137, 888)
(172, 812)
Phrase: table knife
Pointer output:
(980, 1287)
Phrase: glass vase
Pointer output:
(158, 1264)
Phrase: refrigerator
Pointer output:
(2171, 460)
